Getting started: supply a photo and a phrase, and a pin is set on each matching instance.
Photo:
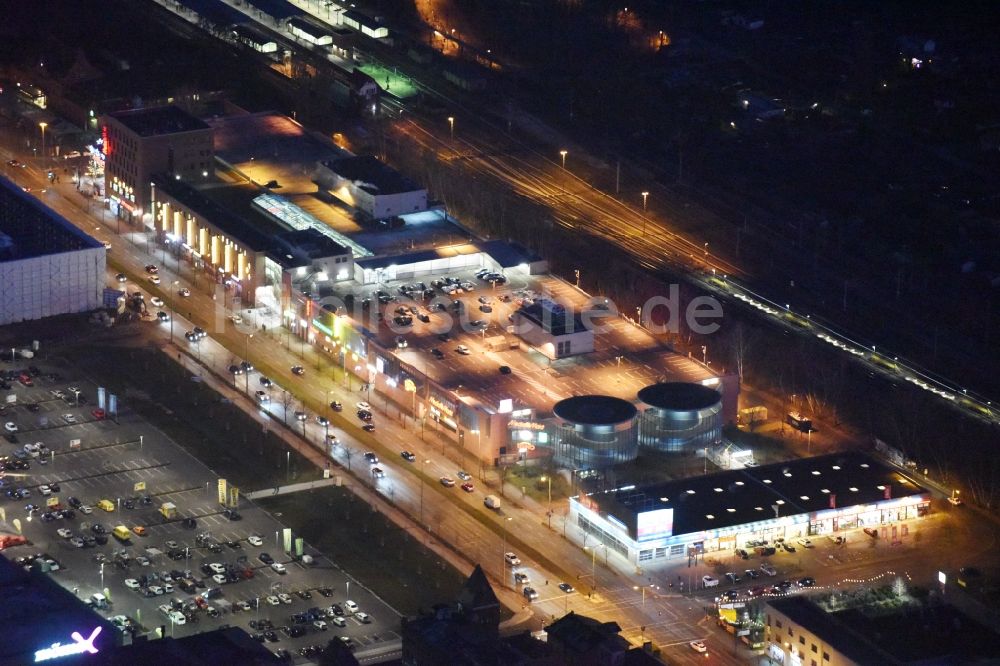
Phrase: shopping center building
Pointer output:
(824, 495)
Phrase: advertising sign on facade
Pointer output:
(652, 525)
(223, 492)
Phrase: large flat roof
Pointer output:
(159, 120)
(28, 228)
(249, 228)
(738, 497)
(535, 381)
(372, 175)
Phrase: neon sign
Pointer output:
(525, 425)
(78, 646)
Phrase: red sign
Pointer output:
(106, 147)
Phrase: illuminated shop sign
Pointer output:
(443, 407)
(525, 425)
(524, 447)
(652, 525)
(78, 646)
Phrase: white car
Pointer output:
(219, 579)
(10, 426)
(156, 301)
(339, 621)
(273, 600)
(511, 559)
(177, 617)
(709, 581)
(132, 583)
(279, 567)
(236, 319)
(64, 533)
(255, 540)
(364, 407)
(155, 279)
(69, 418)
(85, 509)
(320, 624)
(351, 607)
(698, 646)
(156, 589)
(184, 293)
(362, 617)
(805, 543)
(217, 568)
(284, 598)
(45, 491)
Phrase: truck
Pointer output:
(492, 502)
(168, 510)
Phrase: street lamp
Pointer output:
(43, 126)
(451, 126)
(422, 484)
(563, 154)
(479, 435)
(503, 548)
(549, 479)
(645, 195)
(593, 566)
(246, 356)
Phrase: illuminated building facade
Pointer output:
(143, 143)
(814, 497)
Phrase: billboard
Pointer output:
(651, 525)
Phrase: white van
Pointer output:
(492, 502)
(709, 581)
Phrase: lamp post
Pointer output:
(479, 436)
(246, 355)
(451, 126)
(422, 484)
(548, 478)
(43, 125)
(645, 195)
(593, 566)
(563, 153)
(503, 548)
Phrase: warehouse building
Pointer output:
(825, 495)
(47, 266)
(372, 187)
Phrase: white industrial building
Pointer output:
(47, 266)
(368, 185)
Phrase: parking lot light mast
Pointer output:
(563, 153)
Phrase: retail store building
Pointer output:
(819, 496)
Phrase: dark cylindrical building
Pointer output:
(678, 416)
(595, 431)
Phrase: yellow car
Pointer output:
(139, 530)
(106, 505)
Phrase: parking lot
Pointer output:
(136, 469)
(454, 327)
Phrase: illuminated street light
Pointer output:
(43, 125)
(549, 479)
(563, 154)
(451, 126)
(645, 195)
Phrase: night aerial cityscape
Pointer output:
(519, 332)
